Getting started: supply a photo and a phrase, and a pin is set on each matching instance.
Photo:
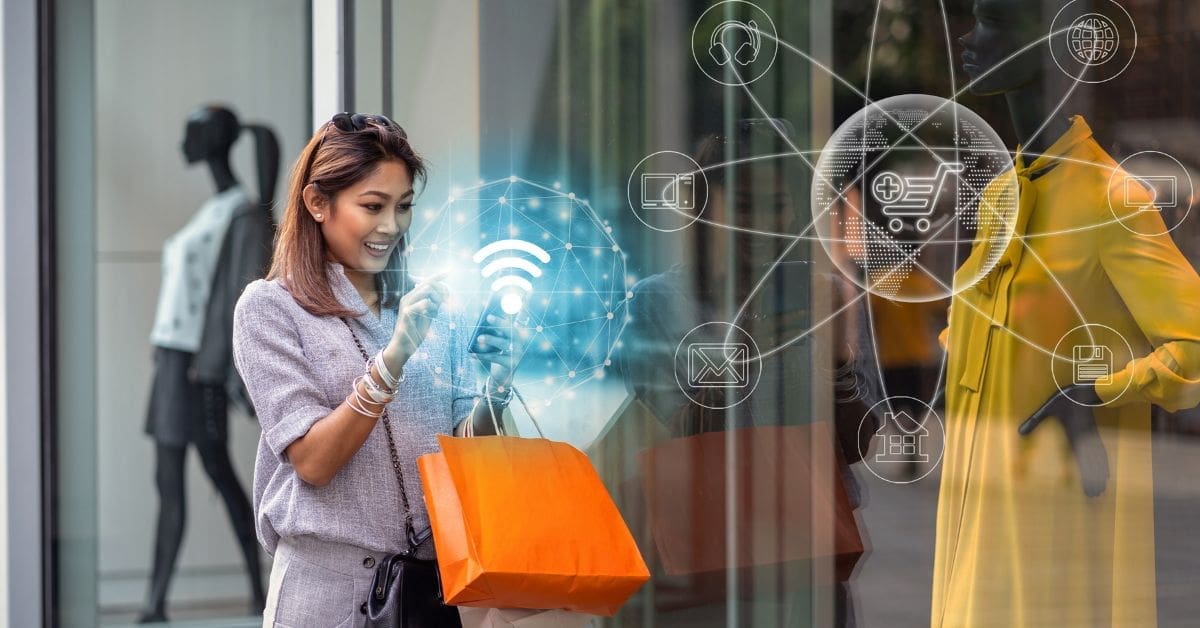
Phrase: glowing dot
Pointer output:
(569, 246)
(616, 248)
(451, 199)
(571, 196)
(512, 179)
(628, 295)
(437, 369)
(609, 316)
(545, 236)
(547, 403)
(578, 290)
(607, 362)
(557, 185)
(570, 373)
(453, 325)
(599, 374)
(503, 200)
(433, 247)
(608, 230)
(539, 328)
(511, 303)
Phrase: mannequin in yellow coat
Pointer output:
(1053, 525)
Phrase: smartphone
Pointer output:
(482, 326)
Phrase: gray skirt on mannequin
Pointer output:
(180, 410)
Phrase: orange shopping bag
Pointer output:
(527, 523)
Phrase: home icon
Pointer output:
(904, 442)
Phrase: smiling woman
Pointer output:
(325, 504)
(355, 183)
(365, 224)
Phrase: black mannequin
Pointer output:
(189, 402)
(1002, 28)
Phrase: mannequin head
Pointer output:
(211, 132)
(1008, 52)
(992, 55)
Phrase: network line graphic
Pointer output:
(932, 179)
(548, 259)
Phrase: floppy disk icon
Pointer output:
(718, 365)
(1093, 364)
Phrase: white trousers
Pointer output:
(319, 584)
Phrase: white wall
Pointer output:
(156, 61)
(20, 520)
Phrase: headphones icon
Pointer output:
(746, 53)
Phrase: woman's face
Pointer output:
(368, 218)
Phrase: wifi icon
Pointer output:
(515, 271)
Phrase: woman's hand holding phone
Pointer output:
(501, 346)
(418, 308)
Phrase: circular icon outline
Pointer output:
(773, 41)
(1054, 355)
(1054, 52)
(886, 196)
(633, 206)
(1004, 178)
(865, 455)
(1190, 196)
(753, 361)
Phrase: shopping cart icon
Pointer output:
(911, 197)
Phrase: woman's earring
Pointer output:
(318, 216)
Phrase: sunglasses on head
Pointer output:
(351, 122)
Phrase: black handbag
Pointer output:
(406, 591)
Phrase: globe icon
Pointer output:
(1093, 39)
(905, 189)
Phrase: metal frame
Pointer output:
(19, 433)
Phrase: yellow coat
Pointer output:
(1018, 542)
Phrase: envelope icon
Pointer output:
(718, 365)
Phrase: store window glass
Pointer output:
(870, 471)
(666, 202)
(175, 122)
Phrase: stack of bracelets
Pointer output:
(381, 395)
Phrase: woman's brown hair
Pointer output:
(341, 153)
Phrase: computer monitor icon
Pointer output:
(1164, 192)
